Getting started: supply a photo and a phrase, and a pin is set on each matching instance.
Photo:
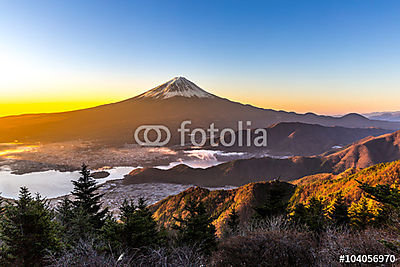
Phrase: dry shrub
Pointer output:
(270, 248)
(176, 256)
(276, 223)
(86, 254)
(276, 244)
(336, 242)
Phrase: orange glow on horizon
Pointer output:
(299, 106)
(324, 102)
(19, 108)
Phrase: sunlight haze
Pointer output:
(330, 58)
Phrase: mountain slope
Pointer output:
(327, 186)
(367, 152)
(238, 172)
(169, 105)
(362, 154)
(220, 202)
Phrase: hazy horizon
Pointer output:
(326, 57)
(57, 107)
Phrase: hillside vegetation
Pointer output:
(327, 186)
(220, 203)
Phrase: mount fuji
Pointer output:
(178, 86)
(167, 104)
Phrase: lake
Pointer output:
(48, 183)
(54, 183)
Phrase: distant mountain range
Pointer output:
(168, 104)
(302, 139)
(385, 116)
(362, 154)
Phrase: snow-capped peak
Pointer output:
(178, 86)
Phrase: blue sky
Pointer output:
(322, 56)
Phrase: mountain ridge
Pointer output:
(220, 202)
(362, 154)
(302, 139)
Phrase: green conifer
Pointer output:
(339, 213)
(87, 199)
(197, 228)
(28, 231)
(233, 221)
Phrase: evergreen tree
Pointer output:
(28, 231)
(315, 219)
(197, 228)
(65, 212)
(389, 212)
(65, 216)
(312, 215)
(360, 214)
(87, 200)
(299, 214)
(81, 218)
(137, 228)
(383, 194)
(339, 212)
(275, 204)
(112, 233)
(75, 223)
(233, 221)
(140, 228)
(385, 215)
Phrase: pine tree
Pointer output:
(361, 215)
(233, 221)
(140, 228)
(339, 212)
(315, 219)
(389, 199)
(275, 204)
(197, 228)
(312, 215)
(65, 216)
(87, 200)
(28, 230)
(75, 223)
(389, 212)
(137, 228)
(65, 212)
(383, 194)
(112, 233)
(299, 214)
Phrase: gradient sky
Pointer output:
(328, 57)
